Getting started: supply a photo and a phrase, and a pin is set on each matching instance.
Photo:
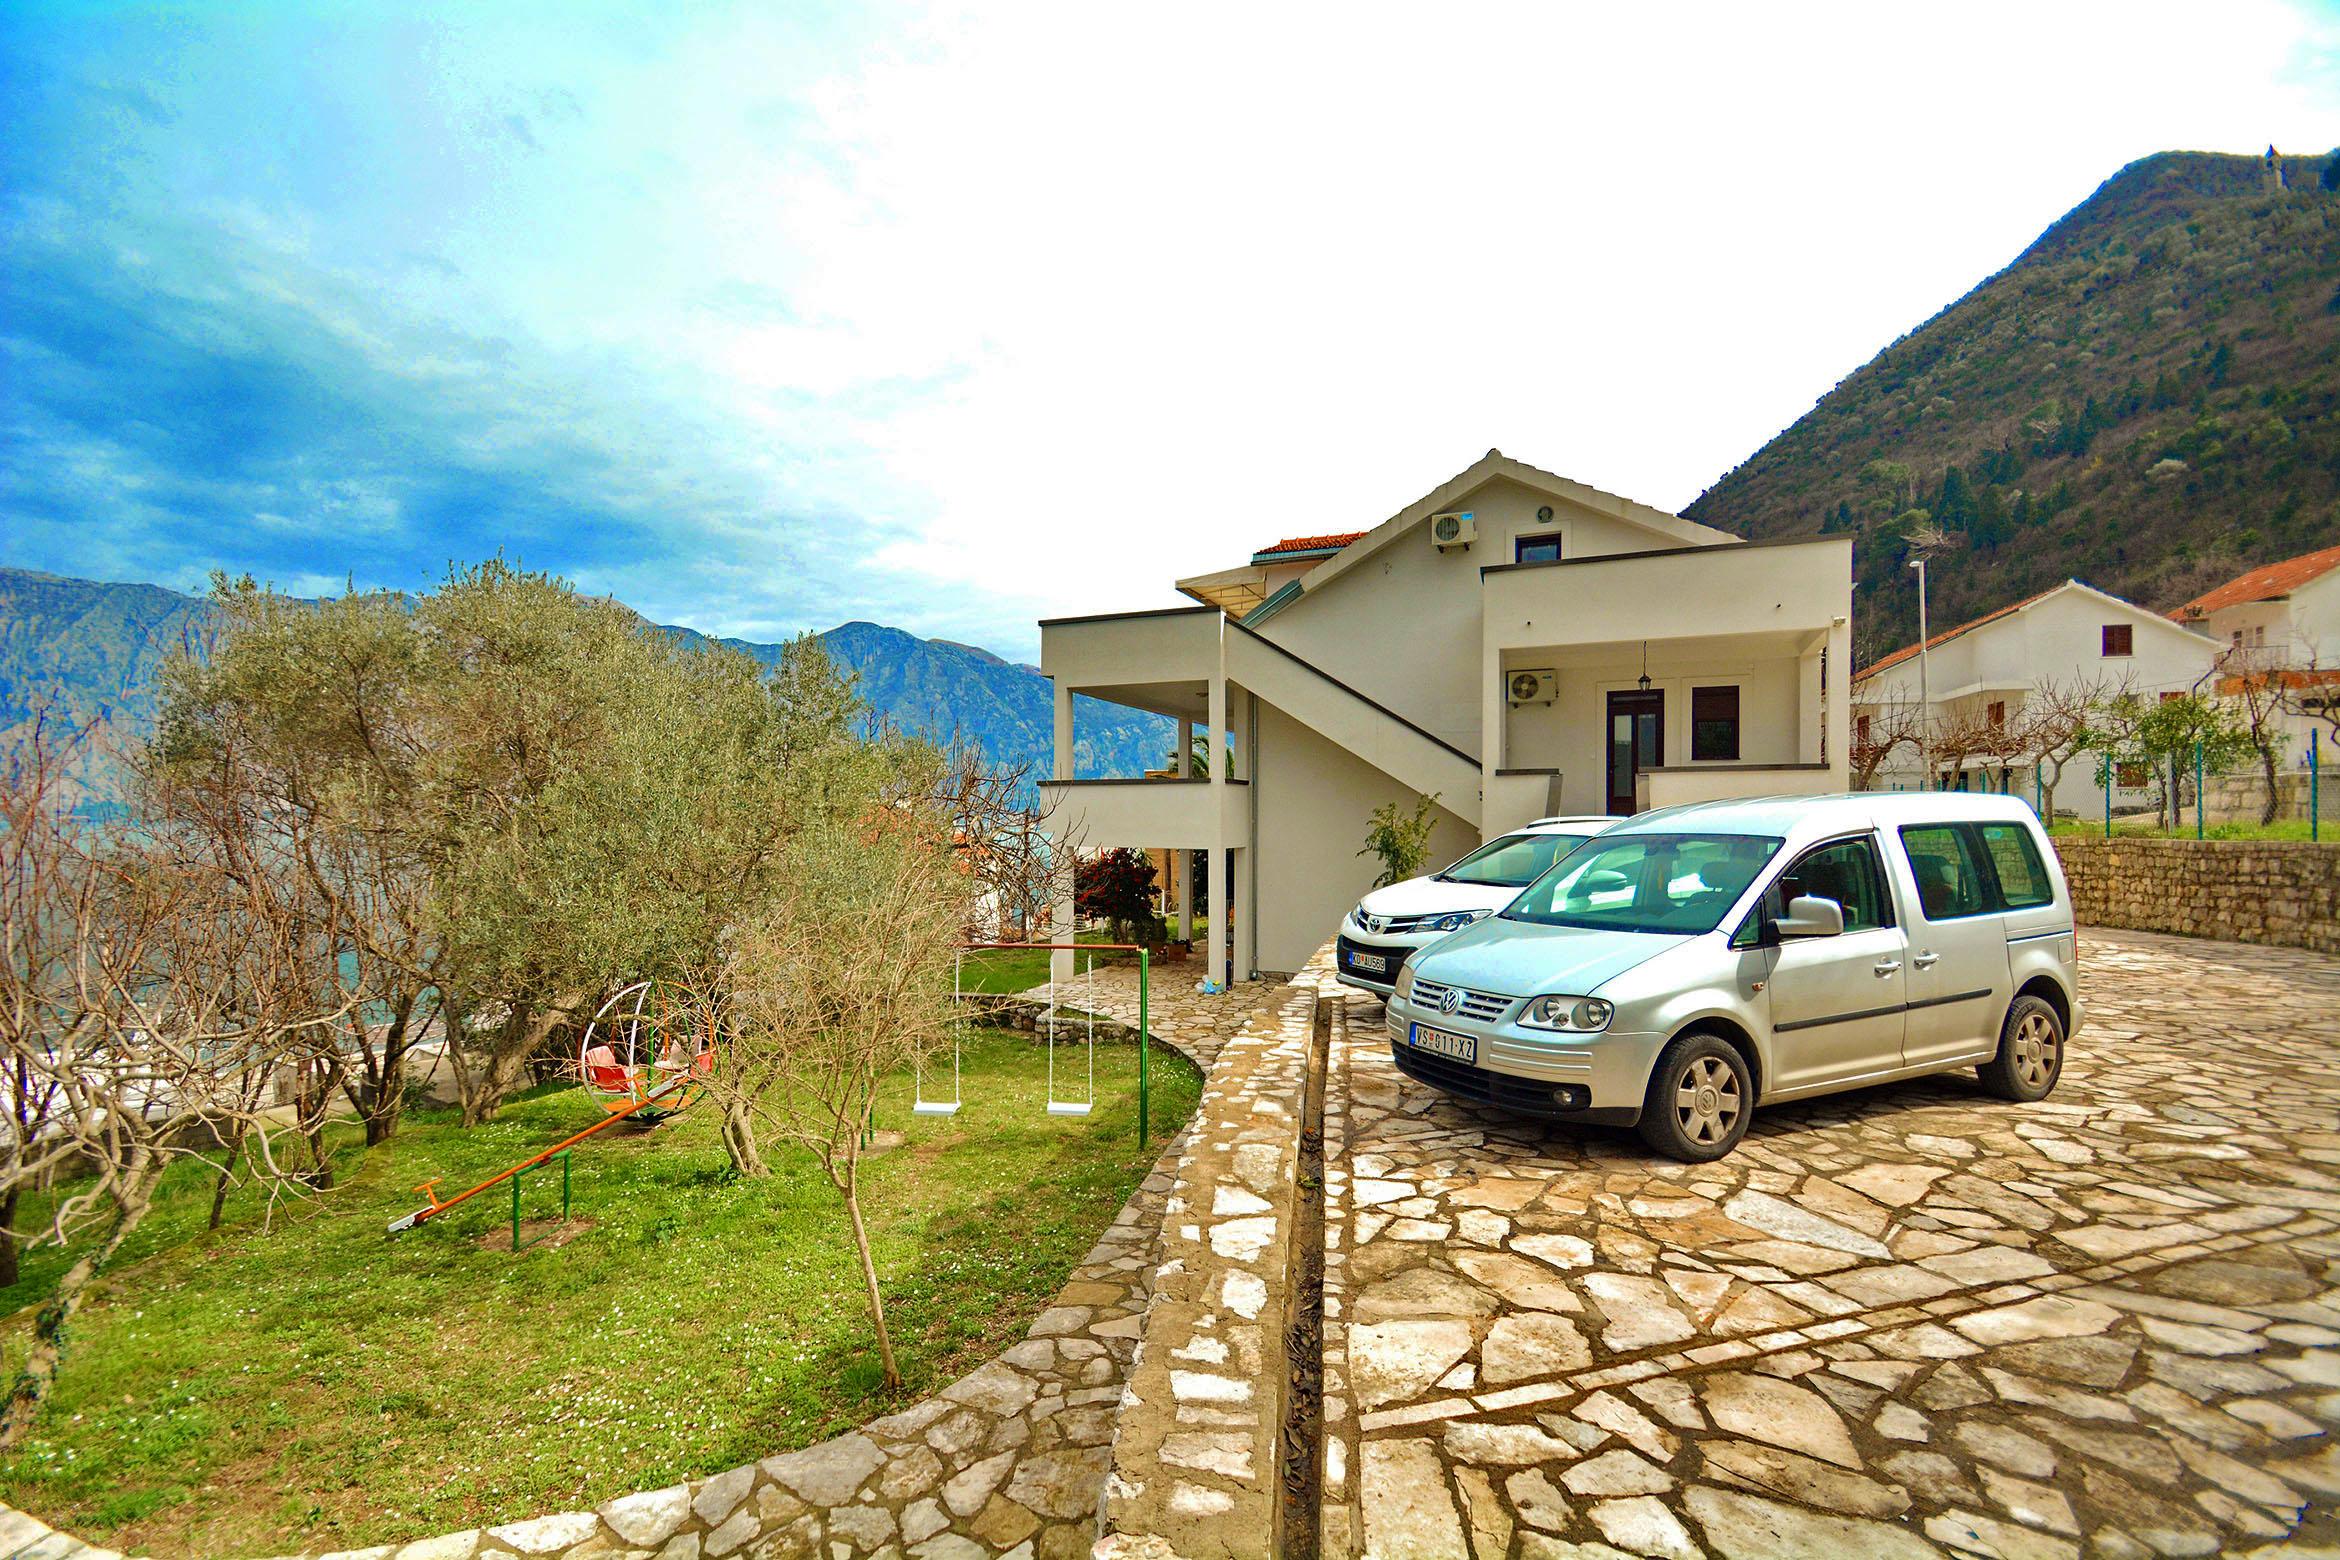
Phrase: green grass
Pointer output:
(2146, 828)
(1006, 971)
(312, 1384)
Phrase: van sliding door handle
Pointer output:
(1926, 961)
(1885, 967)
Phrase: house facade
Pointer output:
(2280, 622)
(1983, 674)
(1513, 644)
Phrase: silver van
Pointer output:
(1693, 962)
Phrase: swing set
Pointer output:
(641, 1066)
(922, 1106)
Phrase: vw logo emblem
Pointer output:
(1451, 1002)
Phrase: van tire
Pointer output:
(1701, 1097)
(2031, 1052)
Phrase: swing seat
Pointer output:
(934, 1108)
(1068, 1107)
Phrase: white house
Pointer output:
(1980, 673)
(2280, 621)
(1512, 644)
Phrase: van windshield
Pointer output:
(1676, 884)
(1514, 861)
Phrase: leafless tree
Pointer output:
(2257, 694)
(159, 976)
(2051, 729)
(1880, 731)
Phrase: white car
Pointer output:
(1392, 923)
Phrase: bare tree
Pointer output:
(159, 975)
(841, 982)
(1879, 732)
(2051, 730)
(2257, 696)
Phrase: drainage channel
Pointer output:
(1304, 1335)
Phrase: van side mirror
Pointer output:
(1811, 917)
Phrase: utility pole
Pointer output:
(1925, 683)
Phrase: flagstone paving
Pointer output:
(1914, 1320)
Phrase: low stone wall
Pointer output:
(1197, 1450)
(2267, 891)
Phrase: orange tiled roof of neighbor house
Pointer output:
(1944, 637)
(1330, 543)
(2268, 582)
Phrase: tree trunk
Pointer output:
(315, 1101)
(227, 1177)
(523, 1034)
(739, 1141)
(869, 1279)
(39, 1372)
(9, 1241)
(2274, 797)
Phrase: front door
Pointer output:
(1637, 741)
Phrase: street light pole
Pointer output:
(1925, 685)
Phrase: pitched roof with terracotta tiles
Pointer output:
(1948, 634)
(2268, 582)
(1330, 543)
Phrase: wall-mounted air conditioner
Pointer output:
(1531, 687)
(1455, 528)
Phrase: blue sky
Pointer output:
(765, 317)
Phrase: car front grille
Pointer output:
(1464, 1081)
(1484, 1006)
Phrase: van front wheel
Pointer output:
(1700, 1097)
(2031, 1052)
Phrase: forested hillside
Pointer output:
(2147, 399)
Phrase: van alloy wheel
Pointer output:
(2035, 1051)
(1706, 1101)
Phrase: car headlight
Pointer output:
(1569, 1015)
(1405, 979)
(1357, 913)
(1457, 921)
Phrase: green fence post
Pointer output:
(2198, 790)
(2104, 767)
(1145, 1081)
(2315, 811)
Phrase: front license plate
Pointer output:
(1463, 1048)
(1370, 963)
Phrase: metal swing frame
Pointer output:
(1145, 1049)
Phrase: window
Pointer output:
(1536, 549)
(1674, 884)
(1949, 871)
(1846, 871)
(2023, 881)
(1513, 861)
(2129, 776)
(1861, 730)
(1714, 723)
(2119, 638)
(1997, 712)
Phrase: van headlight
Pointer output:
(1569, 1015)
(1457, 921)
(1405, 979)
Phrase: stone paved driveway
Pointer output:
(1910, 1321)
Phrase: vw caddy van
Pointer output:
(1694, 962)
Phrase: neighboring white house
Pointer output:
(1980, 674)
(2279, 621)
(1513, 644)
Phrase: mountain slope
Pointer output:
(2148, 399)
(97, 645)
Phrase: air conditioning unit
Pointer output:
(1455, 528)
(1531, 687)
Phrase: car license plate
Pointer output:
(1371, 963)
(1463, 1048)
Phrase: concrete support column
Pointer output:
(1838, 703)
(1182, 887)
(1810, 711)
(1060, 915)
(1221, 963)
(1222, 958)
(1184, 761)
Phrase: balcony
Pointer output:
(1167, 813)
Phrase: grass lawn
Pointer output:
(314, 1384)
(2145, 828)
(1006, 971)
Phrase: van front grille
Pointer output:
(1484, 1006)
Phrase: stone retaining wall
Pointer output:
(2266, 891)
(1198, 1449)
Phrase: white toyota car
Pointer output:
(1391, 923)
